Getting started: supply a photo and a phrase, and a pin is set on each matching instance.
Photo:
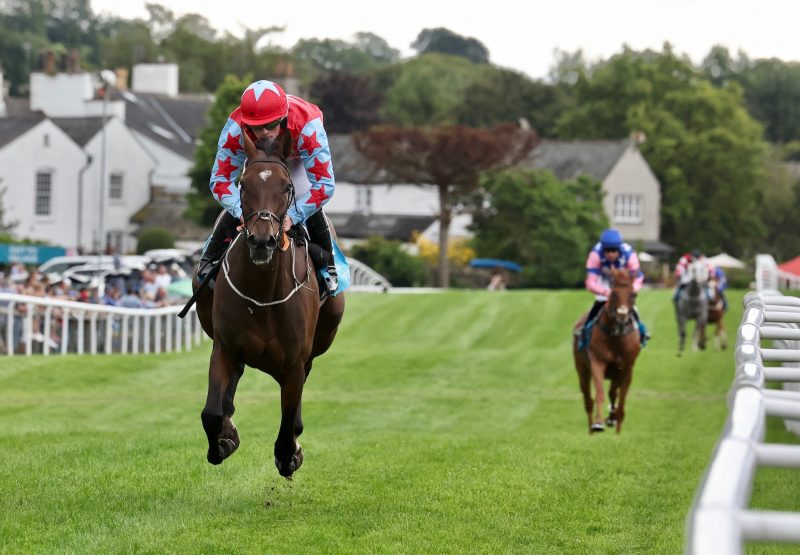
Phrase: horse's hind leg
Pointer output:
(723, 334)
(221, 372)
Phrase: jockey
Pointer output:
(722, 285)
(611, 252)
(681, 267)
(264, 113)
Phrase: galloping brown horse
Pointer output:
(264, 311)
(610, 354)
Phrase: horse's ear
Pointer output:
(285, 144)
(249, 147)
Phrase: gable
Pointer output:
(15, 126)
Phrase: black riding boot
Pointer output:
(320, 235)
(224, 230)
(596, 308)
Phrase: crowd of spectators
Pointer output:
(146, 289)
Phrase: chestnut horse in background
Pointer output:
(264, 311)
(610, 354)
(716, 315)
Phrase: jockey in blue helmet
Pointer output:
(611, 252)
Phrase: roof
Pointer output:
(791, 266)
(350, 165)
(174, 122)
(657, 248)
(13, 126)
(388, 226)
(569, 159)
(81, 130)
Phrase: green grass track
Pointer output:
(438, 423)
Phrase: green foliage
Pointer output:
(501, 95)
(445, 41)
(390, 260)
(426, 91)
(701, 143)
(202, 206)
(154, 238)
(536, 220)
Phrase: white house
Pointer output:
(40, 169)
(365, 196)
(126, 187)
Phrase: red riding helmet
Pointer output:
(263, 102)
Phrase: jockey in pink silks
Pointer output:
(611, 252)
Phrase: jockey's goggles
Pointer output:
(273, 124)
(611, 249)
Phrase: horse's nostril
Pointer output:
(272, 242)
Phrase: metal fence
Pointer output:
(720, 520)
(39, 325)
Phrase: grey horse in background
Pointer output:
(692, 304)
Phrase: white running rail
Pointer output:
(720, 520)
(40, 325)
(365, 279)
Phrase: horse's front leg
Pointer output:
(229, 431)
(723, 334)
(613, 390)
(598, 374)
(288, 453)
(626, 377)
(222, 371)
(681, 333)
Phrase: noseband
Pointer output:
(266, 214)
(617, 328)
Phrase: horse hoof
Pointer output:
(294, 463)
(227, 447)
(611, 422)
(597, 427)
(215, 456)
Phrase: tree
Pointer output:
(705, 149)
(390, 260)
(154, 238)
(445, 41)
(772, 90)
(349, 102)
(532, 218)
(427, 90)
(505, 96)
(449, 158)
(202, 207)
(368, 52)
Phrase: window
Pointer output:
(46, 140)
(628, 209)
(116, 240)
(364, 199)
(115, 186)
(44, 193)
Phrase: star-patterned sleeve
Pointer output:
(227, 167)
(316, 157)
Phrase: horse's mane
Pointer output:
(621, 277)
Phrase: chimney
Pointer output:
(122, 78)
(49, 62)
(156, 79)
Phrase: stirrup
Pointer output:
(331, 278)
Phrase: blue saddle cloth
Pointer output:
(586, 336)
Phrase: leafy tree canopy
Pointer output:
(540, 222)
(445, 41)
(701, 143)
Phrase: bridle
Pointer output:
(269, 216)
(266, 215)
(618, 328)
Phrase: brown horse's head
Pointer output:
(267, 192)
(622, 298)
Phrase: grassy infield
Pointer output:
(438, 423)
